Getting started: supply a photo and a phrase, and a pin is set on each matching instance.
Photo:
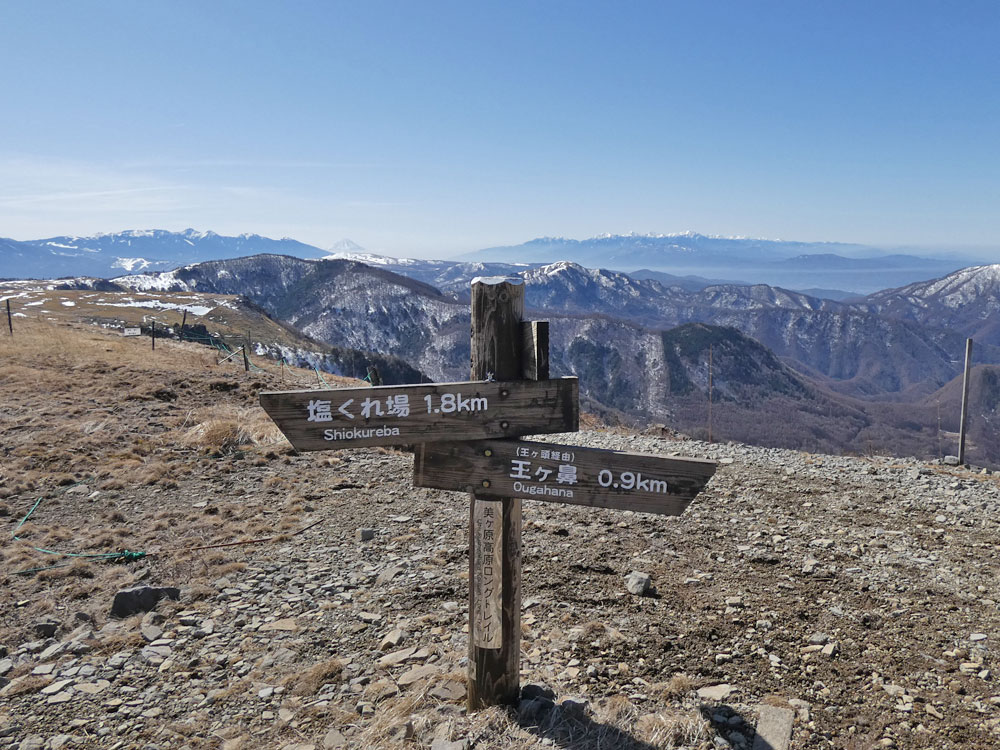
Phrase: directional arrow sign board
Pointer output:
(411, 414)
(563, 474)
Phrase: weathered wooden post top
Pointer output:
(465, 435)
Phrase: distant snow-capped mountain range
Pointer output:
(842, 269)
(841, 374)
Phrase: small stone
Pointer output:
(366, 535)
(151, 632)
(575, 706)
(92, 688)
(809, 566)
(638, 583)
(51, 652)
(451, 690)
(334, 740)
(442, 744)
(32, 742)
(63, 697)
(397, 657)
(977, 637)
(716, 692)
(46, 628)
(288, 625)
(774, 727)
(831, 649)
(132, 601)
(417, 674)
(391, 640)
(950, 461)
(402, 732)
(818, 639)
(54, 687)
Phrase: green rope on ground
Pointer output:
(26, 571)
(321, 377)
(123, 556)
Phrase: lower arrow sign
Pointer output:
(563, 474)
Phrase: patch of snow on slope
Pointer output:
(131, 264)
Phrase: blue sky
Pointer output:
(432, 128)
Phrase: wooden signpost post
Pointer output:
(465, 436)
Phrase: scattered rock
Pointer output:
(450, 690)
(366, 535)
(716, 692)
(132, 601)
(46, 628)
(638, 583)
(391, 640)
(334, 740)
(286, 624)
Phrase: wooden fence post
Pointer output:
(10, 324)
(495, 525)
(183, 321)
(152, 335)
(965, 401)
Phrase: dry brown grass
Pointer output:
(676, 687)
(225, 429)
(26, 684)
(311, 680)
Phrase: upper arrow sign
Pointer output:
(410, 414)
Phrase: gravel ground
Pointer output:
(856, 591)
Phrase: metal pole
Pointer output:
(965, 400)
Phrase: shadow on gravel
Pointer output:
(576, 731)
(733, 727)
(568, 725)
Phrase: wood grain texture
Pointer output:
(589, 476)
(512, 409)
(496, 344)
(497, 310)
(535, 350)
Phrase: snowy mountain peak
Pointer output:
(345, 246)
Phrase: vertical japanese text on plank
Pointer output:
(488, 529)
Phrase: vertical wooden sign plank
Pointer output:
(497, 310)
(487, 526)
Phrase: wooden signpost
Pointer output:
(411, 414)
(563, 474)
(464, 436)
